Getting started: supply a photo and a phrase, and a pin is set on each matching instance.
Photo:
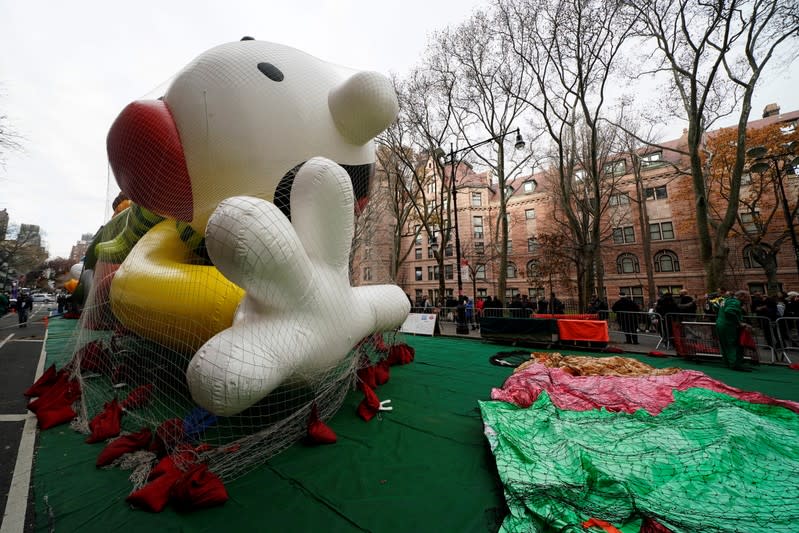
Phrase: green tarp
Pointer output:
(708, 462)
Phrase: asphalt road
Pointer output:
(20, 351)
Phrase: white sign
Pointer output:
(420, 324)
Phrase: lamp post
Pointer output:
(519, 144)
(762, 163)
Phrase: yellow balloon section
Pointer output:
(157, 293)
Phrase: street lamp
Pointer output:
(762, 163)
(519, 144)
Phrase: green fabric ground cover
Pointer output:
(708, 462)
(425, 466)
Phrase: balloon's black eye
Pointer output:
(271, 71)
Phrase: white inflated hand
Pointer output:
(300, 316)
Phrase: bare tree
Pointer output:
(761, 217)
(714, 54)
(411, 149)
(477, 62)
(21, 252)
(570, 47)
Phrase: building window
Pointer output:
(418, 296)
(532, 268)
(746, 178)
(529, 186)
(510, 293)
(508, 191)
(749, 260)
(615, 168)
(432, 273)
(367, 274)
(529, 214)
(532, 245)
(448, 250)
(477, 224)
(636, 294)
(666, 261)
(661, 231)
(536, 294)
(480, 271)
(673, 289)
(579, 175)
(510, 246)
(619, 199)
(477, 199)
(479, 248)
(511, 272)
(418, 273)
(749, 221)
(431, 187)
(627, 264)
(623, 235)
(448, 271)
(418, 253)
(482, 293)
(430, 254)
(652, 159)
(656, 193)
(417, 230)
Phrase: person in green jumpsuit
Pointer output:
(728, 324)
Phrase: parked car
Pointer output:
(39, 298)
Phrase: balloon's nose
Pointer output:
(363, 106)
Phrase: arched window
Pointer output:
(627, 263)
(511, 270)
(749, 259)
(666, 261)
(532, 268)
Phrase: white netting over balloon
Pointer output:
(219, 312)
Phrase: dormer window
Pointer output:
(529, 186)
(652, 159)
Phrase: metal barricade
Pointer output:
(635, 326)
(765, 335)
(788, 334)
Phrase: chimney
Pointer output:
(771, 110)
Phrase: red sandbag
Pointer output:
(198, 488)
(125, 444)
(106, 423)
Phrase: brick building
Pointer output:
(666, 193)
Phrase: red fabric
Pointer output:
(615, 393)
(366, 376)
(746, 339)
(379, 343)
(138, 397)
(655, 353)
(401, 354)
(168, 435)
(198, 488)
(155, 494)
(650, 525)
(94, 357)
(144, 148)
(612, 349)
(106, 423)
(584, 316)
(596, 522)
(318, 431)
(381, 372)
(44, 382)
(794, 366)
(54, 406)
(583, 330)
(370, 405)
(125, 444)
(54, 416)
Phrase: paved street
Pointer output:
(20, 352)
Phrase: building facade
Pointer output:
(665, 193)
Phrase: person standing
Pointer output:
(24, 303)
(728, 325)
(556, 307)
(626, 315)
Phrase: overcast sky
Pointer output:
(68, 68)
